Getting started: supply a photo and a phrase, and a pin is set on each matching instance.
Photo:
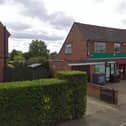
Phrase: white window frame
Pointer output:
(68, 49)
(98, 50)
(117, 44)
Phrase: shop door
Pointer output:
(110, 70)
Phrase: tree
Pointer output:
(38, 59)
(27, 55)
(38, 48)
(53, 55)
(16, 55)
(19, 58)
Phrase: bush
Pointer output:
(31, 103)
(43, 102)
(78, 84)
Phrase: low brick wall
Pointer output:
(93, 90)
(106, 94)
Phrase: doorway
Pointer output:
(109, 70)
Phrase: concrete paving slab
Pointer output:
(100, 114)
(95, 105)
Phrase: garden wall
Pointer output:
(106, 94)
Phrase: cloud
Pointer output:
(18, 26)
(123, 21)
(59, 20)
(98, 1)
(2, 1)
(34, 8)
(34, 35)
(37, 9)
(121, 7)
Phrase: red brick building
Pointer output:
(4, 34)
(94, 49)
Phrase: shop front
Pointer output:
(107, 68)
(121, 68)
(113, 70)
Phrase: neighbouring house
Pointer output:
(4, 34)
(93, 49)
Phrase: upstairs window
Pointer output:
(100, 47)
(68, 49)
(116, 47)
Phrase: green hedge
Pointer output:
(78, 84)
(43, 102)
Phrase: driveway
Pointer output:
(100, 114)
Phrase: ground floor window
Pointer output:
(106, 68)
(112, 66)
(100, 68)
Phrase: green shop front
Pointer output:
(114, 65)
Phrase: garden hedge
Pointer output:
(43, 102)
(78, 84)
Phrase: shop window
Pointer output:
(100, 68)
(112, 69)
(116, 47)
(100, 46)
(68, 49)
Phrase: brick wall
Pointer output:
(106, 94)
(79, 46)
(91, 46)
(92, 70)
(123, 47)
(58, 65)
(109, 47)
(93, 90)
(3, 50)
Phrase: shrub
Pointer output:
(31, 103)
(78, 84)
(43, 102)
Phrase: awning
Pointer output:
(87, 63)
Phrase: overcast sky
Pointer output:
(50, 20)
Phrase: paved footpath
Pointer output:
(101, 114)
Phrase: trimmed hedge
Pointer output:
(78, 84)
(43, 102)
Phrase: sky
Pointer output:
(51, 20)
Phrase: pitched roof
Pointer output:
(99, 33)
(3, 26)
